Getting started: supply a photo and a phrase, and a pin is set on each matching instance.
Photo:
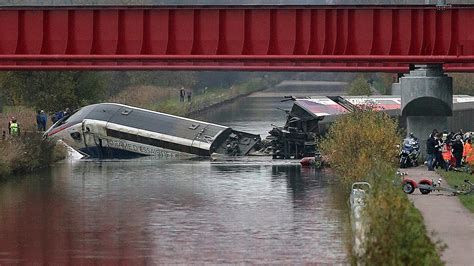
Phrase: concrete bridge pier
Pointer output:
(426, 101)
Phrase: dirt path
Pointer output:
(445, 215)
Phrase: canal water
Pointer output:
(248, 210)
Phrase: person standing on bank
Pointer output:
(458, 148)
(14, 127)
(9, 125)
(38, 120)
(182, 94)
(439, 161)
(190, 94)
(43, 120)
(431, 149)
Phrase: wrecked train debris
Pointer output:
(110, 130)
(309, 118)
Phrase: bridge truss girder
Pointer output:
(371, 38)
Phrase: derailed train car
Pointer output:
(310, 118)
(109, 130)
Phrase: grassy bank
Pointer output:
(27, 152)
(208, 99)
(457, 179)
(167, 99)
(361, 146)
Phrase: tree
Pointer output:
(357, 142)
(463, 83)
(52, 91)
(360, 87)
(163, 78)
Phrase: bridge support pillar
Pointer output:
(396, 89)
(426, 101)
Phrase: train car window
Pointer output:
(76, 135)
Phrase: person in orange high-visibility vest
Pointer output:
(447, 155)
(467, 153)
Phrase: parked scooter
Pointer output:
(409, 152)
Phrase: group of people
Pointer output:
(448, 150)
(183, 93)
(41, 122)
(59, 115)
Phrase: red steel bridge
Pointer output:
(256, 38)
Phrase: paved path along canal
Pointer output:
(445, 215)
(252, 210)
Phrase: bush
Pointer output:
(361, 146)
(360, 87)
(52, 90)
(356, 142)
(396, 234)
(27, 153)
(463, 83)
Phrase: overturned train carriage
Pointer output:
(111, 130)
(310, 117)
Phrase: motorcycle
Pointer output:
(409, 153)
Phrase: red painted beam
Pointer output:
(406, 59)
(379, 38)
(204, 68)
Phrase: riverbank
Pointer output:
(210, 99)
(27, 153)
(166, 100)
(457, 179)
(393, 230)
(447, 217)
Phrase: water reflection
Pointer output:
(247, 210)
(169, 212)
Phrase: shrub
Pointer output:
(359, 87)
(27, 153)
(396, 234)
(463, 83)
(356, 142)
(361, 146)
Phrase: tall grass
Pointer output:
(166, 99)
(209, 98)
(361, 146)
(25, 117)
(142, 96)
(26, 152)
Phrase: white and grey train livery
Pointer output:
(110, 130)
